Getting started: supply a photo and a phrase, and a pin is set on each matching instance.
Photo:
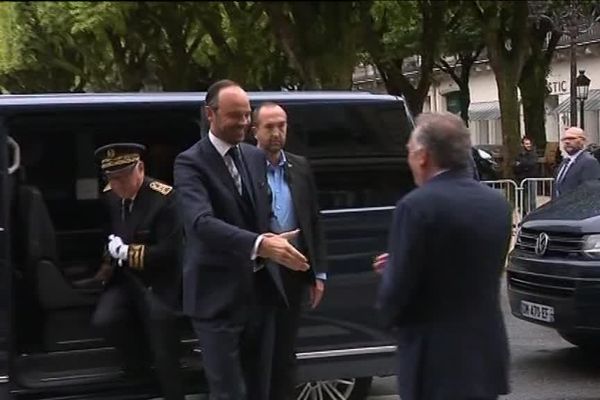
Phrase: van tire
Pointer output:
(358, 389)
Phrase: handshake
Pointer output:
(278, 249)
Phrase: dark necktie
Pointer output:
(126, 208)
(563, 170)
(234, 153)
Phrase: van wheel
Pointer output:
(337, 389)
(586, 342)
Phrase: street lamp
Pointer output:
(583, 88)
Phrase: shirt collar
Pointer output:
(282, 160)
(574, 156)
(441, 171)
(221, 145)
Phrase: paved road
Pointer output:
(544, 367)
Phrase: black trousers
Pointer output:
(144, 331)
(287, 323)
(237, 356)
(237, 353)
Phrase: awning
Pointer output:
(591, 104)
(484, 111)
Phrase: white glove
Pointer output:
(117, 249)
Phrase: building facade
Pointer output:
(484, 110)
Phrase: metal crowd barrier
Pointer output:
(526, 197)
(510, 191)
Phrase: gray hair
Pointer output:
(446, 137)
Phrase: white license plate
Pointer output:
(537, 311)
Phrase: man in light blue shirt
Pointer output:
(294, 206)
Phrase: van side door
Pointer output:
(9, 159)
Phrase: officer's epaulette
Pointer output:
(106, 188)
(160, 187)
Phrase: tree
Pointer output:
(36, 53)
(399, 31)
(120, 46)
(533, 83)
(319, 38)
(506, 28)
(462, 43)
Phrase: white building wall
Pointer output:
(483, 89)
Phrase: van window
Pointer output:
(58, 155)
(348, 129)
(357, 150)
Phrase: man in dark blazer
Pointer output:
(441, 278)
(578, 166)
(294, 206)
(228, 290)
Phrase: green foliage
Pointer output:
(120, 46)
(320, 39)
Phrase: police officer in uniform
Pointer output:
(141, 270)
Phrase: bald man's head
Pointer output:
(573, 140)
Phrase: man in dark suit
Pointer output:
(142, 268)
(294, 206)
(229, 291)
(578, 166)
(441, 279)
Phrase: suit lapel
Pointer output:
(292, 179)
(248, 180)
(572, 167)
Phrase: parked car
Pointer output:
(50, 232)
(553, 275)
(488, 168)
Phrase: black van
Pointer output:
(554, 270)
(50, 232)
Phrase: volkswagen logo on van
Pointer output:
(541, 244)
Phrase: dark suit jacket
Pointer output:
(585, 168)
(154, 233)
(301, 182)
(440, 289)
(220, 231)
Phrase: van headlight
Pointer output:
(591, 246)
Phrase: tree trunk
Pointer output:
(509, 109)
(533, 96)
(465, 101)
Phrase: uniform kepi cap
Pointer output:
(117, 157)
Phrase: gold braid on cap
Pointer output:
(120, 160)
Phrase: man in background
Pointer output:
(526, 166)
(578, 165)
(294, 206)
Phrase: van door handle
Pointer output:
(12, 143)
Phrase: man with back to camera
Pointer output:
(141, 271)
(578, 166)
(294, 206)
(441, 279)
(229, 291)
